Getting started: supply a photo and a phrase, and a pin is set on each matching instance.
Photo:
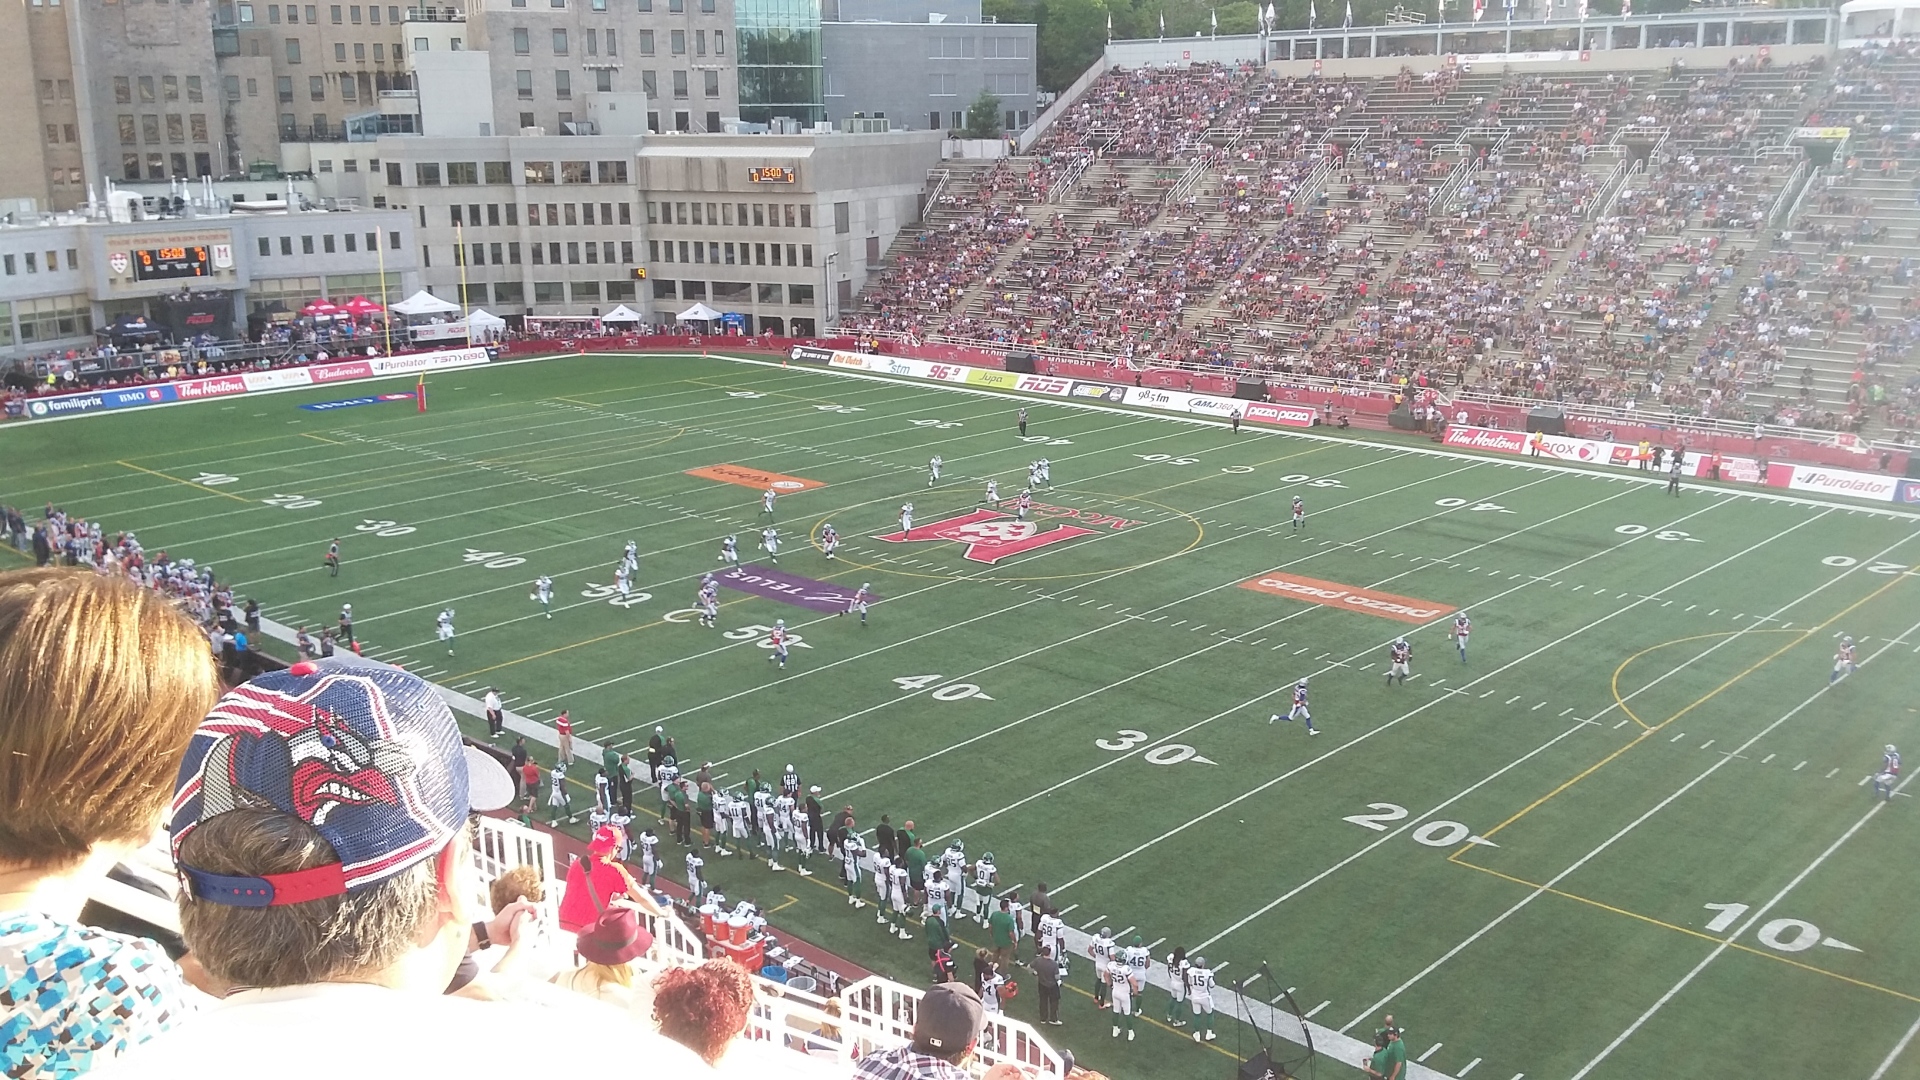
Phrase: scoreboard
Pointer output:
(151, 264)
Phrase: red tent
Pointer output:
(360, 305)
(320, 309)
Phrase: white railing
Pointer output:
(1061, 104)
(1604, 207)
(1787, 203)
(1609, 187)
(939, 177)
(1074, 171)
(885, 1009)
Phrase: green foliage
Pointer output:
(983, 118)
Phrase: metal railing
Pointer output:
(1076, 168)
(1788, 200)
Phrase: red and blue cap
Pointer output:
(370, 757)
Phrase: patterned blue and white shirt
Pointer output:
(72, 996)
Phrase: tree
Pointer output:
(983, 117)
(1072, 35)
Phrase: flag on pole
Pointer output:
(1273, 17)
(1346, 23)
(1626, 8)
(1583, 10)
(1213, 15)
(1480, 8)
(420, 394)
(1313, 15)
(1109, 26)
(1163, 26)
(1509, 10)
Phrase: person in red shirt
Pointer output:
(530, 780)
(563, 726)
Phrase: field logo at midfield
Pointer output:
(988, 534)
(758, 479)
(1349, 597)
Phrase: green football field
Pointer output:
(1630, 836)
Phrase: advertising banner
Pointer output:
(1284, 415)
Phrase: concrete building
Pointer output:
(67, 276)
(777, 228)
(921, 68)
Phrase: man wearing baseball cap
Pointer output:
(319, 827)
(946, 1025)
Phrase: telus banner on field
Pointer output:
(776, 584)
(251, 382)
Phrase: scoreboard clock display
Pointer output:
(151, 264)
(771, 174)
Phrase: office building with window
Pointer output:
(65, 277)
(780, 229)
(920, 68)
(781, 77)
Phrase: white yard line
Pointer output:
(1148, 747)
(1595, 853)
(1898, 1049)
(1415, 822)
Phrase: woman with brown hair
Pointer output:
(101, 685)
(706, 1009)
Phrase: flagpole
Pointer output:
(386, 319)
(460, 257)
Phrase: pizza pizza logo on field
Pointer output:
(759, 479)
(989, 535)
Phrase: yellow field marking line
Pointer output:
(323, 438)
(21, 555)
(189, 483)
(1690, 932)
(1647, 731)
(791, 900)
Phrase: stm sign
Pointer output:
(988, 534)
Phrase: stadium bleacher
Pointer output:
(1651, 240)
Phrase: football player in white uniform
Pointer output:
(695, 885)
(649, 857)
(1200, 995)
(622, 580)
(1843, 660)
(1399, 661)
(906, 517)
(709, 602)
(1053, 934)
(559, 799)
(1119, 980)
(630, 558)
(729, 550)
(1462, 626)
(993, 493)
(445, 628)
(859, 602)
(936, 888)
(770, 543)
(1299, 710)
(933, 470)
(986, 879)
(543, 592)
(851, 850)
(901, 886)
(1176, 985)
(766, 501)
(882, 887)
(1046, 473)
(1889, 774)
(829, 540)
(1102, 952)
(1139, 961)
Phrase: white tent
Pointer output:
(698, 313)
(424, 303)
(623, 313)
(482, 319)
